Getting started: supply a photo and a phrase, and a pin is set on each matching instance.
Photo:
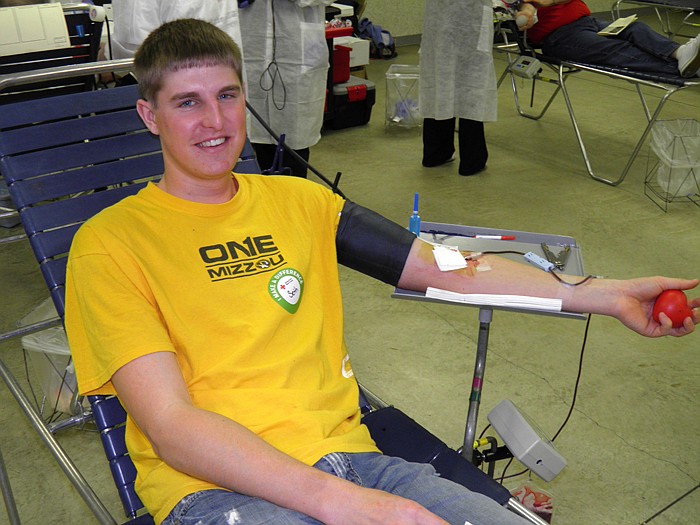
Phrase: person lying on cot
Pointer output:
(210, 304)
(565, 29)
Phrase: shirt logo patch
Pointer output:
(286, 288)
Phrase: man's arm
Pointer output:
(546, 3)
(630, 301)
(214, 448)
(529, 12)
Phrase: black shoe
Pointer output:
(471, 171)
(434, 164)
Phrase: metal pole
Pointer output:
(59, 72)
(30, 328)
(485, 316)
(69, 468)
(518, 508)
(7, 494)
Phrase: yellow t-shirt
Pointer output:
(245, 293)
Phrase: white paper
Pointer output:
(507, 301)
(448, 258)
(617, 26)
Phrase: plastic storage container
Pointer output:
(673, 171)
(50, 359)
(359, 49)
(402, 90)
(51, 362)
(341, 64)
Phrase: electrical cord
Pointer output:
(332, 184)
(109, 40)
(571, 407)
(272, 71)
(578, 283)
(552, 272)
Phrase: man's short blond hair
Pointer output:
(182, 44)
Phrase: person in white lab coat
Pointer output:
(135, 19)
(457, 81)
(286, 63)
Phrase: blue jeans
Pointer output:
(638, 47)
(414, 481)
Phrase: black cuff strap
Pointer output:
(372, 244)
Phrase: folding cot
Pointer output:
(514, 43)
(664, 9)
(64, 159)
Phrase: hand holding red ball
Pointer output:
(674, 304)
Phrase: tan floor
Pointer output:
(631, 443)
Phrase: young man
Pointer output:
(210, 304)
(565, 29)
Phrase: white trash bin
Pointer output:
(50, 360)
(402, 90)
(676, 144)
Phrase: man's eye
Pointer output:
(187, 103)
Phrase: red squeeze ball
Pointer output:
(674, 304)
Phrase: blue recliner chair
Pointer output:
(66, 158)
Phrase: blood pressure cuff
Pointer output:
(372, 244)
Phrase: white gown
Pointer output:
(135, 19)
(457, 76)
(286, 74)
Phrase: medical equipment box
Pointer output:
(526, 67)
(526, 441)
(359, 49)
(351, 103)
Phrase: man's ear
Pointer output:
(145, 111)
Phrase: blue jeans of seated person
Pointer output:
(454, 503)
(638, 47)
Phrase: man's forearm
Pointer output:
(216, 449)
(503, 277)
(630, 301)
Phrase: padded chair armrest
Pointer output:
(398, 435)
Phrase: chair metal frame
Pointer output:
(515, 44)
(45, 124)
(689, 9)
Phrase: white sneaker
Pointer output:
(689, 58)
